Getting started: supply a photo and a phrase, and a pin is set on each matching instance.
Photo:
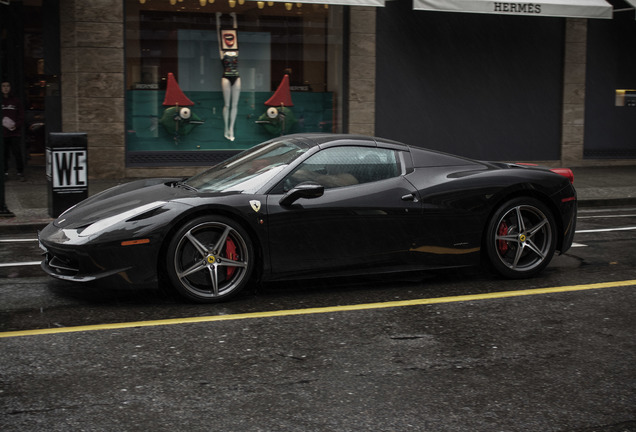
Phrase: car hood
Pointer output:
(150, 194)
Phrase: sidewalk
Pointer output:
(28, 200)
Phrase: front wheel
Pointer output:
(521, 238)
(210, 259)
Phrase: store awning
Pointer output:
(632, 3)
(545, 8)
(377, 3)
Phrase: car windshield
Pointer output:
(249, 170)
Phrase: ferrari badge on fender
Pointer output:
(256, 205)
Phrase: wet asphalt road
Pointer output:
(547, 361)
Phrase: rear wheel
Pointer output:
(210, 259)
(521, 238)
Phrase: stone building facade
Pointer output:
(92, 56)
(92, 90)
(574, 93)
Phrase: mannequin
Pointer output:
(230, 81)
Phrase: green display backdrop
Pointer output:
(313, 112)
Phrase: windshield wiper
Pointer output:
(184, 185)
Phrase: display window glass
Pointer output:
(206, 80)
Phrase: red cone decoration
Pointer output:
(174, 95)
(282, 96)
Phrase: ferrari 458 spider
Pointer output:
(316, 205)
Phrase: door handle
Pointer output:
(409, 197)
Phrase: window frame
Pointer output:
(332, 179)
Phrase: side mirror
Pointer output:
(302, 190)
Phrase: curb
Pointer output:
(22, 228)
(607, 202)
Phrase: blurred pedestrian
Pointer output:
(12, 118)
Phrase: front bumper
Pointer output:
(90, 262)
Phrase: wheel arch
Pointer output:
(528, 192)
(212, 211)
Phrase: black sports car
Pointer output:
(316, 205)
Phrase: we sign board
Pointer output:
(67, 168)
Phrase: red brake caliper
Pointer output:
(502, 245)
(230, 253)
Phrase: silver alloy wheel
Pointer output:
(523, 238)
(211, 260)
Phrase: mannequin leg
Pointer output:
(236, 92)
(227, 94)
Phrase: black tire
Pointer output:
(210, 259)
(521, 238)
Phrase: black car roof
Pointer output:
(422, 157)
(317, 139)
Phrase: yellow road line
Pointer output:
(308, 311)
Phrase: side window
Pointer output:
(345, 166)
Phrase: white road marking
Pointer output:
(606, 216)
(27, 263)
(606, 230)
(33, 263)
(604, 210)
(19, 264)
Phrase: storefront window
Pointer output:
(206, 81)
(28, 61)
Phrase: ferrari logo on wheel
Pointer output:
(211, 259)
(256, 205)
(522, 238)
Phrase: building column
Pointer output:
(92, 64)
(572, 134)
(362, 71)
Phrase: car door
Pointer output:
(364, 219)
